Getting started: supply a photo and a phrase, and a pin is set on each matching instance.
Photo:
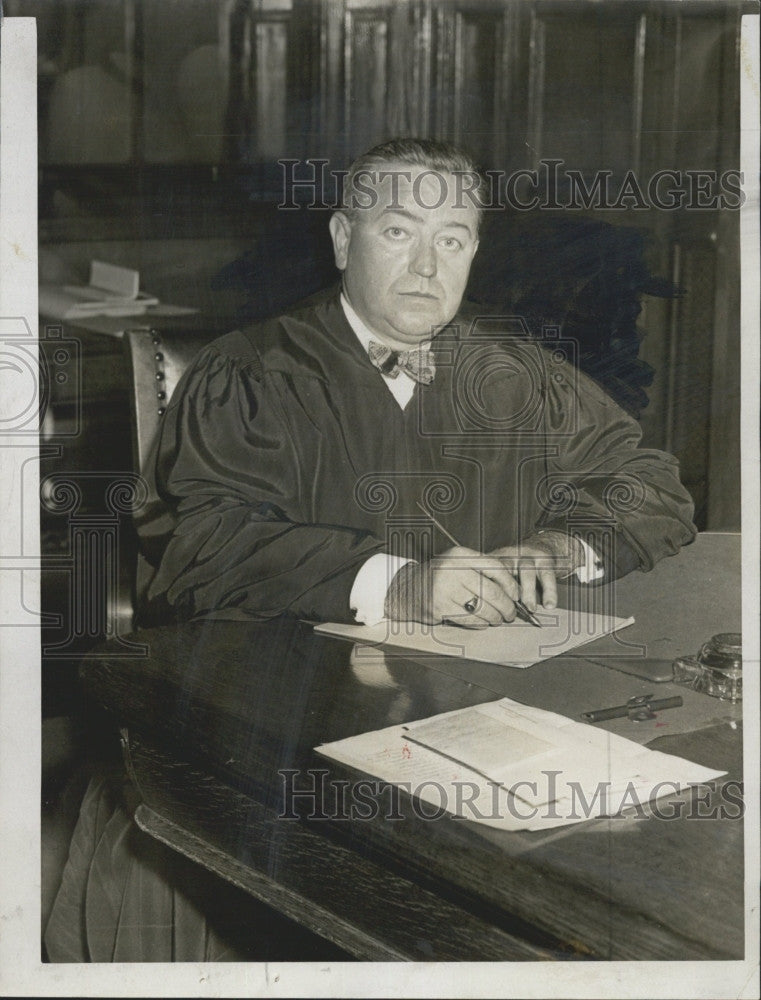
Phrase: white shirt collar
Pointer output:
(363, 333)
(402, 388)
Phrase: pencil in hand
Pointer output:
(520, 608)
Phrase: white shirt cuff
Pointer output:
(368, 593)
(592, 569)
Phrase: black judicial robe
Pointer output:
(284, 463)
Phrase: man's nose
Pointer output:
(423, 260)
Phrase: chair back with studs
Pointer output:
(156, 360)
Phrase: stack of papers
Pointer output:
(514, 767)
(112, 291)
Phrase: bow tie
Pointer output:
(418, 364)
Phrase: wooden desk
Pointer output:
(217, 709)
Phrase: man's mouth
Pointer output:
(419, 295)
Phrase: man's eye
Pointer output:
(396, 232)
(450, 243)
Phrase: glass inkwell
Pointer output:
(717, 670)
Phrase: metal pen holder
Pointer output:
(717, 670)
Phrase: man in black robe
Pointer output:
(297, 457)
(288, 474)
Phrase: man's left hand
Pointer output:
(538, 562)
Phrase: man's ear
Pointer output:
(340, 233)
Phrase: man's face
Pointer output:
(405, 264)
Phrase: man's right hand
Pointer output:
(438, 590)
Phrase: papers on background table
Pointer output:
(111, 291)
(516, 644)
(514, 767)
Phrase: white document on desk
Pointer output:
(514, 767)
(514, 644)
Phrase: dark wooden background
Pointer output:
(161, 122)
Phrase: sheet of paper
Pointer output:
(514, 767)
(72, 302)
(516, 644)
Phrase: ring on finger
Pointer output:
(471, 605)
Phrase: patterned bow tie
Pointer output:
(418, 364)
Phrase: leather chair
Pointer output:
(156, 360)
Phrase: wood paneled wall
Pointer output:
(600, 85)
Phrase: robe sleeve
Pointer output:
(241, 545)
(631, 499)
